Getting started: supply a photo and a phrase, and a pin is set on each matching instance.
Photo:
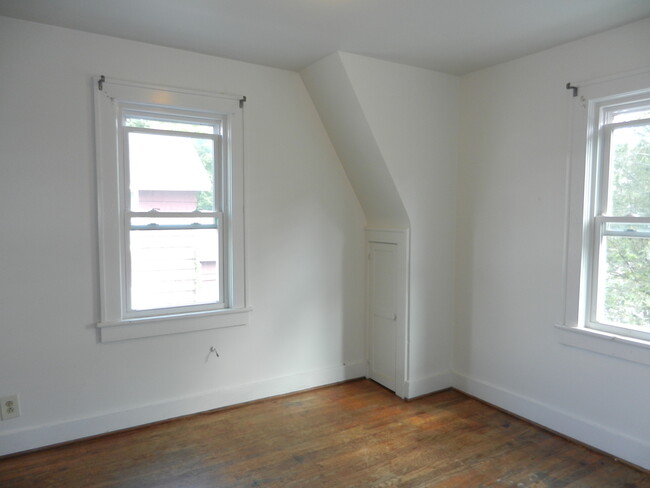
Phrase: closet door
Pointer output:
(383, 275)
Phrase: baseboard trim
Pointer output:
(57, 433)
(430, 384)
(627, 448)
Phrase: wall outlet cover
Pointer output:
(9, 407)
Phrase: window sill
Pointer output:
(627, 348)
(171, 324)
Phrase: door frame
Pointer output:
(400, 238)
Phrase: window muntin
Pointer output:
(620, 220)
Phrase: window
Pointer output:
(170, 181)
(608, 252)
(619, 281)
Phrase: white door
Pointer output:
(383, 315)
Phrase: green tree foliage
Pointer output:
(205, 199)
(627, 278)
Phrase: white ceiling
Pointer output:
(453, 36)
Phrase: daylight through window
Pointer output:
(619, 278)
(174, 214)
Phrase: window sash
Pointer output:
(219, 189)
(597, 277)
(132, 312)
(217, 224)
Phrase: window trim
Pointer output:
(581, 197)
(113, 98)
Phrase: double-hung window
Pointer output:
(170, 181)
(608, 257)
(619, 282)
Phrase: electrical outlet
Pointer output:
(9, 407)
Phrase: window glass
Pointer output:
(170, 173)
(175, 124)
(629, 171)
(624, 281)
(173, 268)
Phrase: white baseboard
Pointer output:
(622, 446)
(430, 384)
(628, 448)
(45, 435)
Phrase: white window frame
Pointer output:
(586, 199)
(113, 99)
(221, 192)
(598, 215)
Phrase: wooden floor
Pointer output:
(351, 435)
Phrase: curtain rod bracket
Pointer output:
(569, 86)
(242, 101)
(100, 82)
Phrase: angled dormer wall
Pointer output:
(339, 108)
(395, 129)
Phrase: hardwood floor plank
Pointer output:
(351, 435)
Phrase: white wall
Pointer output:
(305, 245)
(413, 115)
(510, 243)
(306, 241)
(331, 90)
